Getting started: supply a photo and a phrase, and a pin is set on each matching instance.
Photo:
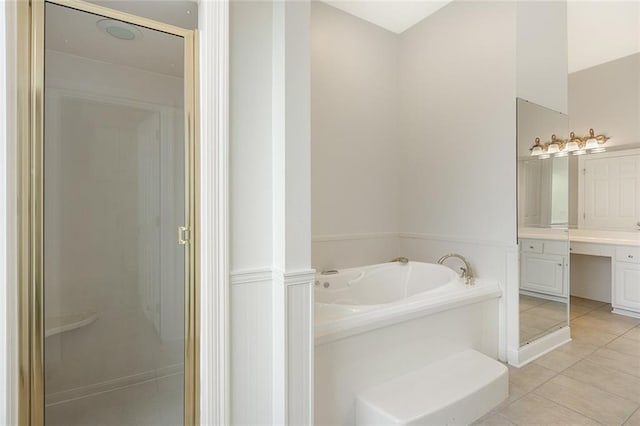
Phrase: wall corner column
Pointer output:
(292, 273)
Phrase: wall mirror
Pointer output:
(604, 191)
(543, 218)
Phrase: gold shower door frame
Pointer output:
(30, 204)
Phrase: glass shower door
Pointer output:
(115, 194)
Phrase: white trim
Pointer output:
(561, 299)
(509, 316)
(251, 276)
(626, 312)
(213, 70)
(410, 235)
(300, 277)
(534, 350)
(460, 240)
(347, 237)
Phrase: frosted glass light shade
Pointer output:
(591, 143)
(553, 148)
(572, 146)
(537, 150)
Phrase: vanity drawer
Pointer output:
(628, 254)
(560, 248)
(592, 249)
(532, 246)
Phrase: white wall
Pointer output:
(607, 98)
(458, 90)
(271, 280)
(542, 53)
(458, 123)
(615, 33)
(250, 211)
(355, 139)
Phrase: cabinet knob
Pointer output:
(531, 247)
(559, 264)
(630, 256)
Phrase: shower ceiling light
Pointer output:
(575, 144)
(118, 29)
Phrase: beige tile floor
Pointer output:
(540, 316)
(592, 380)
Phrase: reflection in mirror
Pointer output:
(543, 216)
(604, 190)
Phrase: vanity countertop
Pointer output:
(543, 233)
(595, 236)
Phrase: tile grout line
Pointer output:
(529, 392)
(570, 409)
(631, 415)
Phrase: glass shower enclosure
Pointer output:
(112, 318)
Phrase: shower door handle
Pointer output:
(183, 235)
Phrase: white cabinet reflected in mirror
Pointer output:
(543, 219)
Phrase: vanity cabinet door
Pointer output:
(626, 286)
(543, 274)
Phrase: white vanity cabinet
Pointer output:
(626, 281)
(625, 269)
(544, 268)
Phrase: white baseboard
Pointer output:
(626, 312)
(561, 299)
(111, 385)
(534, 350)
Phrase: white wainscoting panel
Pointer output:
(299, 287)
(251, 347)
(293, 347)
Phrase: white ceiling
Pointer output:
(599, 31)
(75, 32)
(181, 13)
(393, 15)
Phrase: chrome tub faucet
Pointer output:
(467, 273)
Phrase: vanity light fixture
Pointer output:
(537, 149)
(575, 144)
(555, 145)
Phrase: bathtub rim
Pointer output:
(331, 331)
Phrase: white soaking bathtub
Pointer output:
(376, 322)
